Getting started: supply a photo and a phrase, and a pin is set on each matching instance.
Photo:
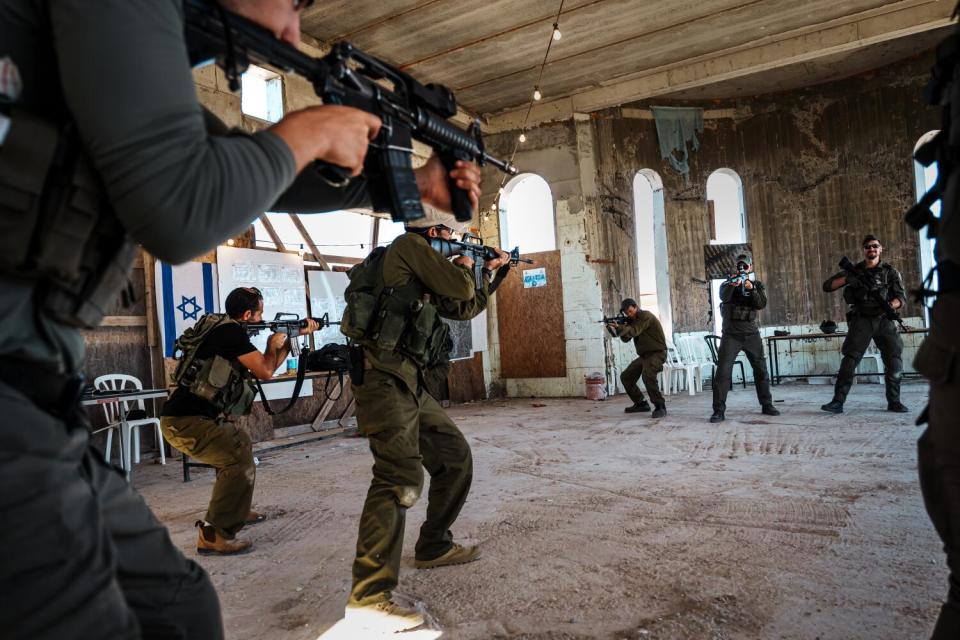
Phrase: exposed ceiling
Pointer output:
(617, 51)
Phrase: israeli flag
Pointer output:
(185, 293)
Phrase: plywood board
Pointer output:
(530, 321)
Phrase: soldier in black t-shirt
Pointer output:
(198, 426)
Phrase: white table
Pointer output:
(123, 397)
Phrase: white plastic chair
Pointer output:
(680, 375)
(120, 382)
(872, 353)
(693, 356)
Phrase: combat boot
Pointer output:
(897, 407)
(457, 554)
(834, 406)
(718, 416)
(769, 410)
(382, 617)
(210, 541)
(659, 411)
(638, 407)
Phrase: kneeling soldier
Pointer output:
(647, 334)
(213, 379)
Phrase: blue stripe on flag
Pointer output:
(169, 323)
(207, 287)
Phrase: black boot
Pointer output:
(897, 407)
(659, 411)
(717, 416)
(769, 410)
(641, 407)
(834, 406)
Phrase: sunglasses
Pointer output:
(871, 246)
(299, 5)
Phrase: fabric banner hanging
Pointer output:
(186, 292)
(676, 128)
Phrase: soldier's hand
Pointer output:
(332, 133)
(495, 263)
(277, 341)
(434, 189)
(748, 285)
(464, 261)
(312, 325)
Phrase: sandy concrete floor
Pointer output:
(597, 524)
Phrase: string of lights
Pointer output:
(536, 96)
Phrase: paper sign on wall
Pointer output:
(533, 278)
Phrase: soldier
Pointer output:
(197, 418)
(865, 321)
(740, 299)
(394, 302)
(647, 334)
(104, 145)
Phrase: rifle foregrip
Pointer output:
(459, 199)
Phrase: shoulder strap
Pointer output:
(301, 372)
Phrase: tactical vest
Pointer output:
(223, 383)
(860, 298)
(57, 228)
(393, 319)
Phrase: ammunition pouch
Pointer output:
(741, 313)
(56, 226)
(224, 385)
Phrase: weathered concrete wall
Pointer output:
(820, 168)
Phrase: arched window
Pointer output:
(924, 178)
(653, 276)
(526, 215)
(728, 219)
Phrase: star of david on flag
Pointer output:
(184, 293)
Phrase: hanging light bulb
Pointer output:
(556, 31)
(500, 192)
(230, 242)
(523, 137)
(536, 93)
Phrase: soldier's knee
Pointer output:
(852, 356)
(407, 495)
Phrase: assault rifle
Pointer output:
(739, 278)
(347, 76)
(868, 283)
(289, 324)
(471, 246)
(619, 319)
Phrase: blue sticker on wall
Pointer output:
(533, 278)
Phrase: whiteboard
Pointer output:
(327, 296)
(279, 277)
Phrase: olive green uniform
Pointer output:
(408, 431)
(647, 335)
(740, 332)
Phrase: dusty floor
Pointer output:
(597, 524)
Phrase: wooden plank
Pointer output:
(309, 240)
(326, 408)
(272, 233)
(532, 338)
(124, 321)
(348, 413)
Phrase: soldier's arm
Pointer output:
(627, 332)
(465, 309)
(726, 292)
(834, 282)
(443, 278)
(127, 81)
(898, 296)
(759, 295)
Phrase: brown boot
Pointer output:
(211, 541)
